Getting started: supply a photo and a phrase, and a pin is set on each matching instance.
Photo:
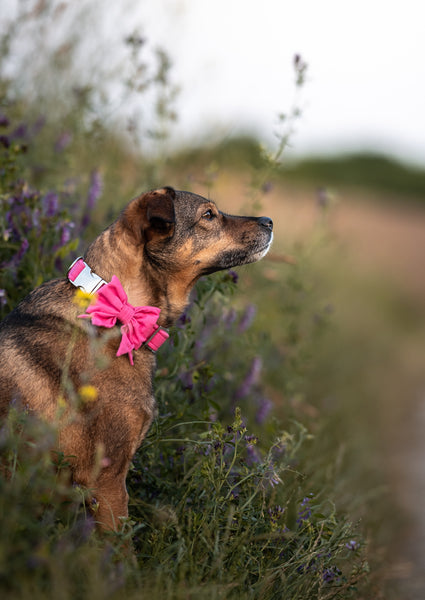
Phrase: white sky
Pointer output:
(233, 60)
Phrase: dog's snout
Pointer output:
(266, 222)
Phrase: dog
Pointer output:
(160, 245)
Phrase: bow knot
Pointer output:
(126, 313)
(139, 323)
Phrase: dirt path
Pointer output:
(408, 571)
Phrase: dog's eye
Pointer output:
(208, 215)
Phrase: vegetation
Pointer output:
(208, 496)
(254, 481)
(361, 170)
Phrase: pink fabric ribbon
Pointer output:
(138, 322)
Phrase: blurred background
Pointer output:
(311, 113)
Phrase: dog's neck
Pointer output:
(111, 254)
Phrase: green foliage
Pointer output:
(47, 547)
(213, 505)
(220, 506)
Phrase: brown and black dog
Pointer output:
(159, 246)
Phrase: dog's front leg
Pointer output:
(112, 499)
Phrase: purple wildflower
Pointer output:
(270, 476)
(247, 318)
(330, 574)
(50, 204)
(251, 439)
(267, 187)
(264, 408)
(230, 317)
(3, 297)
(251, 378)
(304, 512)
(63, 141)
(322, 197)
(233, 276)
(273, 478)
(352, 545)
(22, 250)
(183, 319)
(16, 259)
(36, 220)
(278, 450)
(4, 141)
(4, 121)
(186, 380)
(253, 456)
(66, 232)
(275, 513)
(38, 126)
(82, 529)
(21, 131)
(95, 191)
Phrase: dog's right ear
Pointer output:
(151, 216)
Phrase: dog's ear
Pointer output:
(151, 216)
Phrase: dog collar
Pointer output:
(80, 275)
(143, 330)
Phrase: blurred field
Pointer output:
(370, 267)
(382, 239)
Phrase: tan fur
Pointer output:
(159, 246)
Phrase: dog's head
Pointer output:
(187, 236)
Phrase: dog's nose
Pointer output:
(266, 222)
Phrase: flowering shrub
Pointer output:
(212, 504)
(218, 502)
(37, 229)
(212, 500)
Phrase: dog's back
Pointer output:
(33, 341)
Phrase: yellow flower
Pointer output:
(82, 299)
(87, 393)
(61, 403)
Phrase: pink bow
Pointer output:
(138, 322)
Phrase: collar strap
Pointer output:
(81, 276)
